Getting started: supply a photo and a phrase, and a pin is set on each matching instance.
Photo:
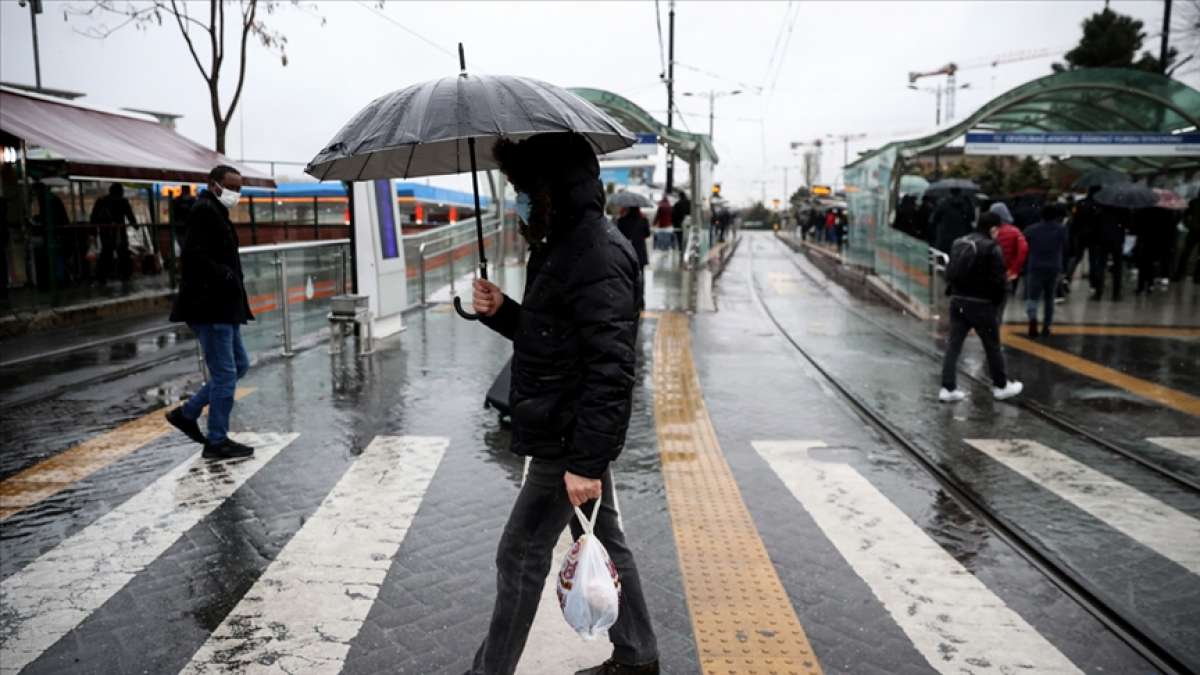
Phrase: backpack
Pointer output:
(963, 253)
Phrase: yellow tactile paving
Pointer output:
(1124, 331)
(742, 618)
(50, 476)
(1155, 392)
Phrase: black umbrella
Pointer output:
(1100, 177)
(948, 184)
(433, 128)
(1127, 196)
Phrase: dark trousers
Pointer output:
(1040, 285)
(1099, 253)
(524, 559)
(965, 314)
(1190, 244)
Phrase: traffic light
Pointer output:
(716, 190)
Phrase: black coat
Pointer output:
(212, 289)
(636, 229)
(574, 337)
(988, 278)
(951, 219)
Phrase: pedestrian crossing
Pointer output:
(303, 612)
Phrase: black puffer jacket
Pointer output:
(574, 335)
(212, 289)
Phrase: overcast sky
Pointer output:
(843, 71)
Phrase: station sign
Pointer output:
(645, 146)
(822, 191)
(1083, 144)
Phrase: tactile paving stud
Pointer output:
(741, 616)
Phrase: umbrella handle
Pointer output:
(462, 312)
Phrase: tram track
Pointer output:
(1024, 403)
(1061, 575)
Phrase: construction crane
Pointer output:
(950, 70)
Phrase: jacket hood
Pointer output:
(1001, 209)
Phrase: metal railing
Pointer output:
(439, 254)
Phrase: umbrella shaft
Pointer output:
(478, 212)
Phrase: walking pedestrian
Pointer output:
(976, 285)
(925, 220)
(636, 229)
(679, 212)
(662, 224)
(574, 360)
(112, 213)
(1084, 223)
(1047, 241)
(212, 301)
(1012, 244)
(1108, 241)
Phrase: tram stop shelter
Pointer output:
(1142, 123)
(695, 149)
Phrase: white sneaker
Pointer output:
(1010, 390)
(951, 395)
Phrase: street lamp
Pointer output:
(712, 98)
(938, 91)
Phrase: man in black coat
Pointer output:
(978, 285)
(212, 301)
(951, 219)
(680, 211)
(113, 213)
(573, 368)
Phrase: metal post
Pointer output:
(450, 252)
(316, 220)
(421, 263)
(253, 223)
(285, 312)
(171, 264)
(341, 280)
(670, 93)
(1164, 50)
(35, 8)
(712, 103)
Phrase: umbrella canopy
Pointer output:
(423, 130)
(1127, 196)
(1093, 177)
(947, 184)
(913, 185)
(625, 199)
(1169, 200)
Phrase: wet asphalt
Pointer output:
(434, 605)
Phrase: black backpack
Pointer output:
(963, 253)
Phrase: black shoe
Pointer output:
(1033, 328)
(226, 449)
(188, 427)
(1046, 331)
(611, 667)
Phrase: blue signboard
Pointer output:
(1082, 144)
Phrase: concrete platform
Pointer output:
(774, 529)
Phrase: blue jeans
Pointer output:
(1040, 285)
(227, 362)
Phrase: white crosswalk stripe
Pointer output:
(302, 613)
(1158, 526)
(954, 620)
(57, 591)
(1184, 445)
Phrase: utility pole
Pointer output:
(1166, 32)
(35, 8)
(670, 92)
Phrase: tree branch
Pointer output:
(247, 26)
(188, 39)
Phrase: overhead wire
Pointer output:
(662, 59)
(775, 47)
(406, 29)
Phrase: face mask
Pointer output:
(524, 207)
(229, 198)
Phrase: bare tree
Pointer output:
(202, 35)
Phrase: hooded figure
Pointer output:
(574, 360)
(1012, 242)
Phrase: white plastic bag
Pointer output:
(589, 591)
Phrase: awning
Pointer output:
(689, 146)
(111, 145)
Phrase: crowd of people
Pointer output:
(823, 224)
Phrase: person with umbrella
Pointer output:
(1191, 221)
(1119, 200)
(952, 218)
(574, 360)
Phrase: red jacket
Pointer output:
(1014, 247)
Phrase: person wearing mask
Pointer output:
(636, 229)
(573, 370)
(976, 285)
(1047, 243)
(1012, 244)
(1191, 221)
(951, 219)
(681, 210)
(112, 213)
(212, 302)
(1108, 242)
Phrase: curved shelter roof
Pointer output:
(1091, 99)
(635, 118)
